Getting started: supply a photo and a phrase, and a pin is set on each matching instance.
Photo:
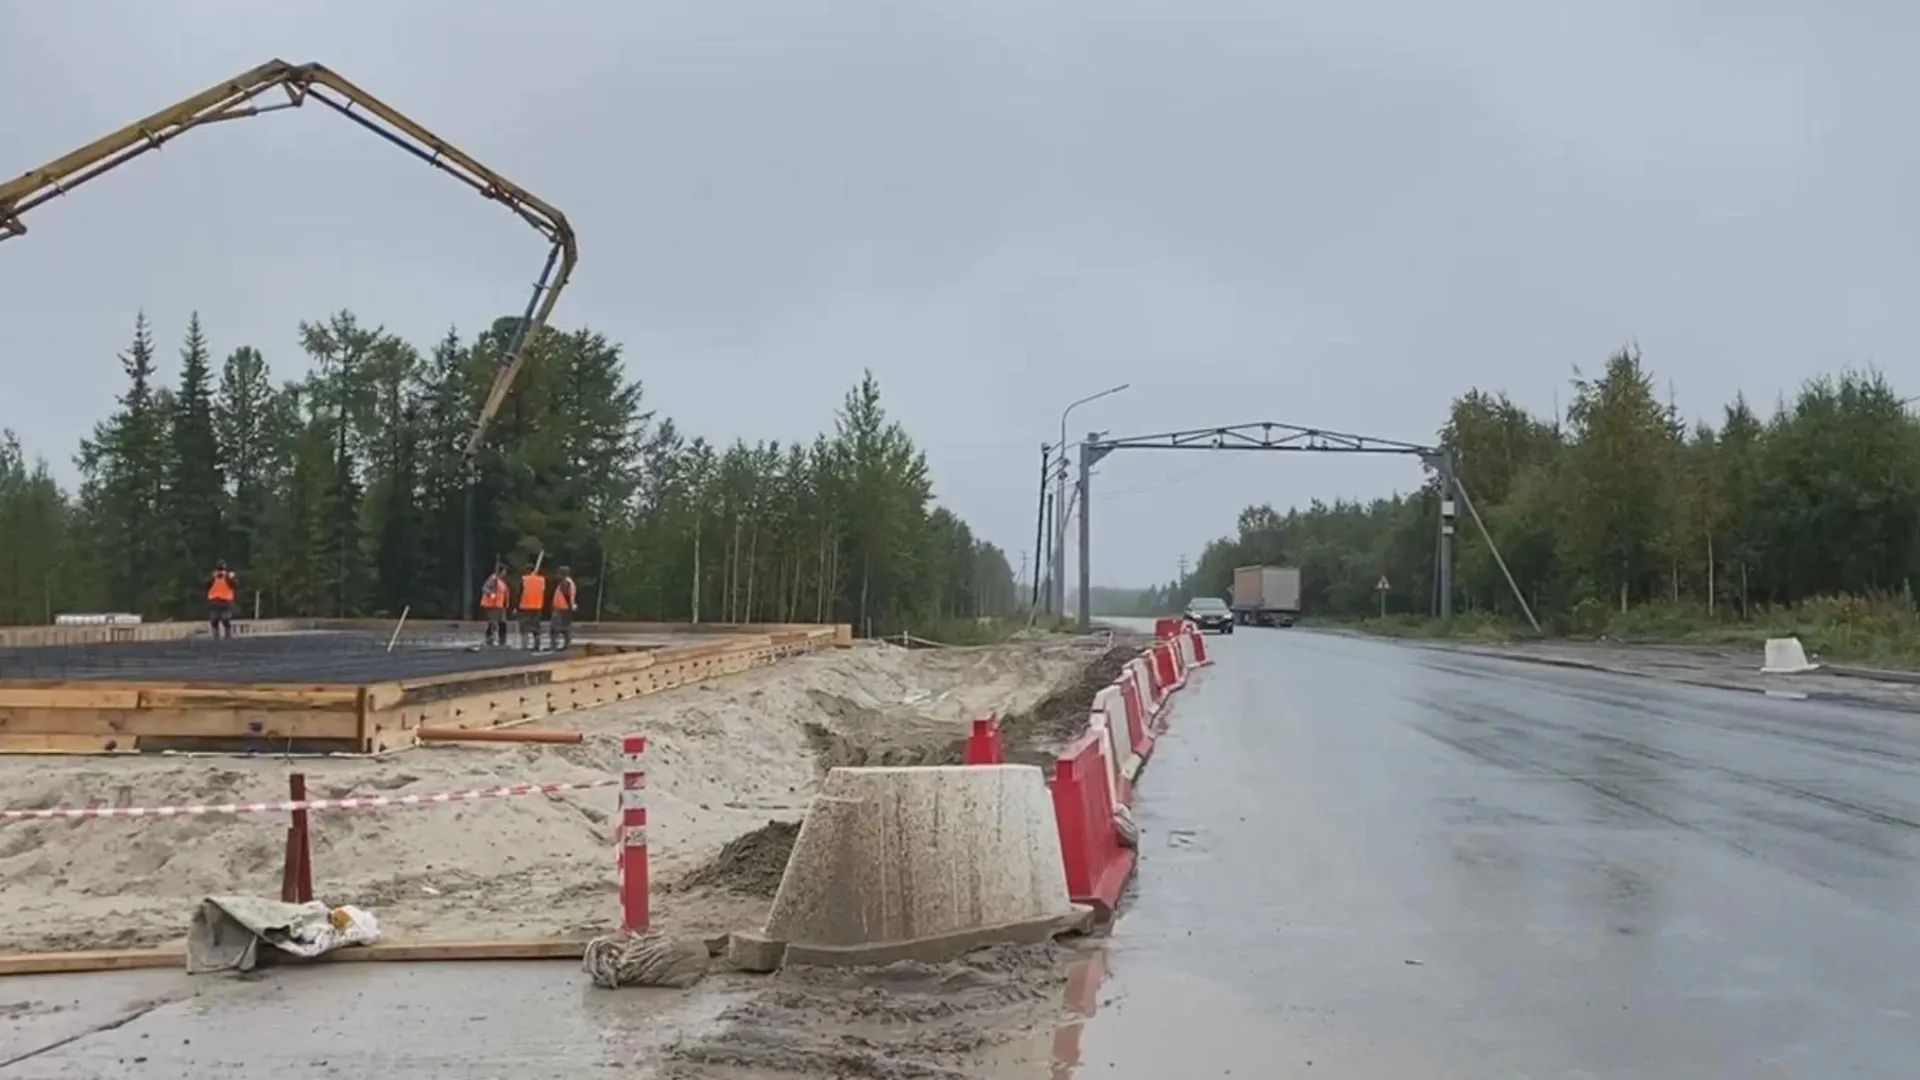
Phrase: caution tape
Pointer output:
(351, 802)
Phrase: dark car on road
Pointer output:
(1210, 613)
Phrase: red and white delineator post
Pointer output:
(635, 911)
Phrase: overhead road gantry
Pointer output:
(1272, 436)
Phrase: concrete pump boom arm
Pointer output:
(235, 99)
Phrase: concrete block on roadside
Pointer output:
(920, 863)
(749, 951)
(1786, 656)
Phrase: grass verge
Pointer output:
(1879, 631)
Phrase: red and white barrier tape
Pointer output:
(351, 802)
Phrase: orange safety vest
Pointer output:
(493, 594)
(533, 592)
(221, 591)
(563, 595)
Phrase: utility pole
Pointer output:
(1046, 560)
(1058, 599)
(1182, 579)
(1086, 536)
(1039, 525)
(1060, 500)
(1090, 455)
(1446, 534)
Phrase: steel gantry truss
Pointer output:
(1288, 438)
(1266, 435)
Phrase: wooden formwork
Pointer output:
(20, 637)
(94, 717)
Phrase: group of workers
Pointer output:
(527, 601)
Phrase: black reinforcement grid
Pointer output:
(342, 658)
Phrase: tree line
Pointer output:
(1620, 503)
(341, 493)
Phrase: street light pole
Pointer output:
(1060, 501)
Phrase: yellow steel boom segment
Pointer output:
(236, 98)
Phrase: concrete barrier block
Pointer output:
(1786, 656)
(921, 863)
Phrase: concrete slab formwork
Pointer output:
(334, 686)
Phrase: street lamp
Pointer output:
(1060, 502)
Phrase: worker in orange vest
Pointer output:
(222, 591)
(493, 605)
(565, 595)
(532, 606)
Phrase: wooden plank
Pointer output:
(63, 963)
(65, 744)
(69, 696)
(67, 963)
(183, 723)
(44, 636)
(251, 697)
(456, 951)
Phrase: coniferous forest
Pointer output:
(340, 492)
(1622, 505)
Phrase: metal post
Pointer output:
(1057, 602)
(1046, 594)
(1446, 535)
(1086, 536)
(1039, 524)
(1060, 501)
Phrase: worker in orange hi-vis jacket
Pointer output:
(222, 592)
(566, 595)
(494, 594)
(531, 606)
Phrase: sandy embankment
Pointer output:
(725, 759)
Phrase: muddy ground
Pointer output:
(905, 1021)
(730, 762)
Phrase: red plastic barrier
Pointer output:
(1166, 667)
(1138, 733)
(1097, 866)
(984, 745)
(1167, 628)
(1155, 683)
(1199, 646)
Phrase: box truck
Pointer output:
(1266, 595)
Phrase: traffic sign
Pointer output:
(1382, 586)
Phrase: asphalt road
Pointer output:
(1365, 859)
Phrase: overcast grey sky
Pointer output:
(1338, 215)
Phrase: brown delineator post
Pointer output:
(296, 876)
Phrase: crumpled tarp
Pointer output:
(227, 931)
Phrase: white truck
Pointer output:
(1266, 595)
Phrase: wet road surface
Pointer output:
(526, 1020)
(1361, 859)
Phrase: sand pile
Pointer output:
(725, 758)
